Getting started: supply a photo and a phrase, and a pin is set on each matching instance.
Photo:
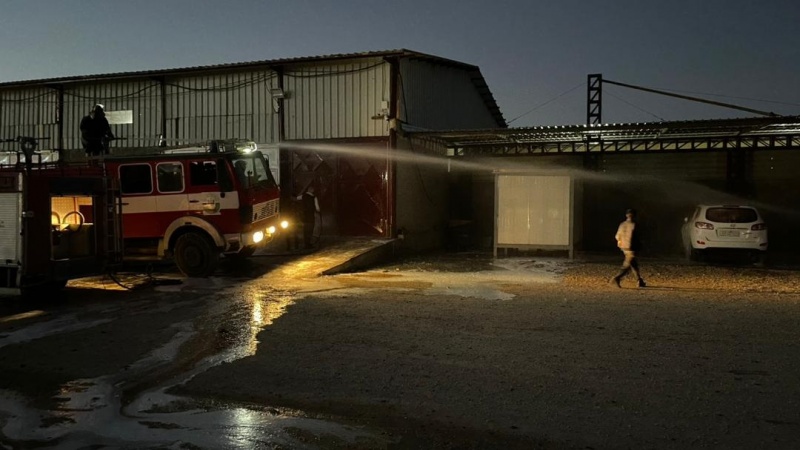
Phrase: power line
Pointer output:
(634, 106)
(734, 97)
(545, 103)
(694, 99)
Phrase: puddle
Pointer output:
(90, 413)
(91, 416)
(438, 280)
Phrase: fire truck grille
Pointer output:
(265, 210)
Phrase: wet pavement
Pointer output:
(118, 398)
(150, 360)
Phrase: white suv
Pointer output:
(734, 227)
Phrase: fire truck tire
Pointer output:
(196, 255)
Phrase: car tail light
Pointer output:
(703, 225)
(759, 227)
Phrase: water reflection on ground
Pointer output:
(91, 412)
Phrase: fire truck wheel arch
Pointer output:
(194, 222)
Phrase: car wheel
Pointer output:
(688, 252)
(759, 258)
(196, 255)
(695, 255)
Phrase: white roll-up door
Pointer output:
(534, 212)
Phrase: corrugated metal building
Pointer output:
(335, 121)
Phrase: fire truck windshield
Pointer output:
(252, 169)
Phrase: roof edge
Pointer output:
(240, 65)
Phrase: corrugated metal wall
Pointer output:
(332, 101)
(324, 100)
(142, 98)
(439, 97)
(348, 100)
(198, 108)
(223, 106)
(31, 112)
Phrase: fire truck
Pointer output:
(191, 204)
(195, 203)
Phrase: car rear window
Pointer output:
(731, 215)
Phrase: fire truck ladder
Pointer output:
(113, 225)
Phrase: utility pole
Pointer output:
(594, 105)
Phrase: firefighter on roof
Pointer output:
(96, 132)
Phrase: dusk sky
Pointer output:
(535, 55)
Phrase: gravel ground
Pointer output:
(458, 352)
(700, 278)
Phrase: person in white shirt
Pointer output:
(628, 240)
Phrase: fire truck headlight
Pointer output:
(271, 230)
(284, 224)
(258, 236)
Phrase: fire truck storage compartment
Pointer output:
(10, 228)
(74, 234)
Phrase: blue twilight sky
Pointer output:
(535, 55)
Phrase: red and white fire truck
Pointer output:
(191, 204)
(194, 203)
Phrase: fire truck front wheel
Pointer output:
(196, 255)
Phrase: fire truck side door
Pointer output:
(203, 189)
(172, 198)
(138, 200)
(206, 203)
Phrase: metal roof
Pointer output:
(718, 134)
(474, 71)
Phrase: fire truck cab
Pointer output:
(195, 203)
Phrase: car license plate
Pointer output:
(728, 233)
